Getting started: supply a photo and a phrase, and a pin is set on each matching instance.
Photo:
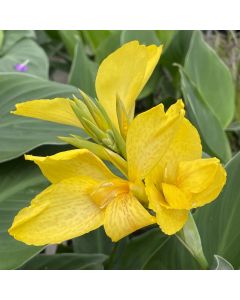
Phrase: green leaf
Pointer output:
(219, 222)
(221, 263)
(1, 38)
(53, 34)
(19, 134)
(177, 49)
(68, 261)
(20, 181)
(95, 37)
(212, 78)
(83, 71)
(154, 250)
(11, 37)
(94, 242)
(214, 139)
(174, 53)
(109, 45)
(138, 251)
(23, 51)
(172, 256)
(146, 37)
(69, 38)
(165, 37)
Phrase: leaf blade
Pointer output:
(66, 261)
(212, 134)
(219, 223)
(19, 183)
(212, 78)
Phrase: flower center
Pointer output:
(109, 190)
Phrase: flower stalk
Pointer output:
(190, 238)
(118, 137)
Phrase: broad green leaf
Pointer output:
(219, 222)
(221, 263)
(1, 38)
(146, 37)
(212, 78)
(43, 39)
(95, 37)
(109, 45)
(20, 134)
(237, 115)
(23, 51)
(20, 181)
(68, 261)
(174, 53)
(214, 139)
(94, 242)
(138, 251)
(11, 37)
(177, 49)
(172, 256)
(153, 250)
(165, 37)
(165, 92)
(115, 259)
(69, 38)
(83, 71)
(53, 34)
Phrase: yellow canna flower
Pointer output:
(122, 75)
(85, 195)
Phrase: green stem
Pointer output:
(190, 238)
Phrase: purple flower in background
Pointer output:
(23, 67)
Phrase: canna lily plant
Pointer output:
(158, 154)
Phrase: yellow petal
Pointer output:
(153, 55)
(149, 138)
(195, 176)
(57, 110)
(61, 212)
(124, 74)
(175, 108)
(213, 190)
(169, 220)
(125, 215)
(176, 198)
(185, 146)
(79, 162)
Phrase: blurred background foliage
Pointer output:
(202, 67)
